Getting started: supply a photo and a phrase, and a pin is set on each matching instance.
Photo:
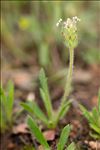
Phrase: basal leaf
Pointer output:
(95, 128)
(3, 97)
(63, 137)
(87, 114)
(71, 147)
(43, 80)
(10, 99)
(94, 135)
(45, 93)
(37, 133)
(34, 109)
(99, 102)
(47, 102)
(27, 107)
(64, 109)
(95, 115)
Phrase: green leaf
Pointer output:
(29, 148)
(71, 146)
(94, 135)
(2, 121)
(6, 106)
(3, 104)
(99, 102)
(27, 107)
(10, 99)
(45, 93)
(44, 54)
(34, 109)
(3, 97)
(95, 115)
(37, 133)
(95, 128)
(87, 114)
(43, 80)
(93, 118)
(63, 137)
(64, 109)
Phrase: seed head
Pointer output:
(69, 30)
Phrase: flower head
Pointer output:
(69, 30)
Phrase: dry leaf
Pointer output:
(21, 128)
(49, 135)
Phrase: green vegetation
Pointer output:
(30, 39)
(93, 118)
(6, 108)
(69, 30)
(51, 119)
(41, 139)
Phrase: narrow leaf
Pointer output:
(27, 107)
(37, 133)
(64, 109)
(10, 99)
(45, 93)
(95, 128)
(39, 113)
(87, 114)
(63, 137)
(95, 115)
(34, 109)
(71, 146)
(47, 102)
(99, 101)
(3, 97)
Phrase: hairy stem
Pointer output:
(69, 77)
(68, 83)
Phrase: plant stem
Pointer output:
(69, 77)
(68, 83)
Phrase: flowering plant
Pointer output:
(69, 31)
(51, 120)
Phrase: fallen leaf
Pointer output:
(21, 128)
(40, 147)
(95, 101)
(11, 146)
(94, 145)
(49, 135)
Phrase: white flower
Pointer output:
(70, 23)
(69, 31)
(76, 19)
(57, 24)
